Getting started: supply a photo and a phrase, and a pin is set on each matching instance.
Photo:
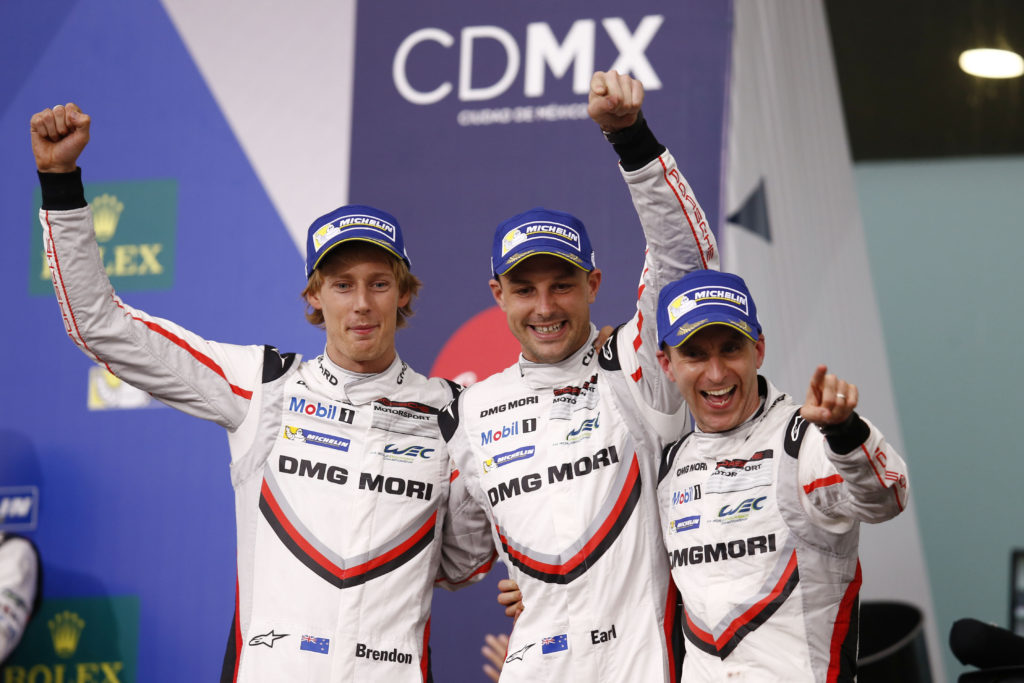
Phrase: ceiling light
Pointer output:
(989, 63)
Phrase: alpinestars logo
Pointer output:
(518, 654)
(267, 639)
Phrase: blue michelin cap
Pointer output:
(353, 222)
(541, 231)
(702, 298)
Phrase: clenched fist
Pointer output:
(614, 101)
(58, 137)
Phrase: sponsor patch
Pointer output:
(323, 411)
(404, 417)
(406, 453)
(325, 233)
(267, 639)
(505, 431)
(510, 405)
(522, 233)
(680, 306)
(730, 514)
(687, 495)
(692, 467)
(723, 551)
(503, 459)
(316, 438)
(686, 524)
(584, 431)
(737, 474)
(567, 400)
(518, 654)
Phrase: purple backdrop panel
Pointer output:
(468, 112)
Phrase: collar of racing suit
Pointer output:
(357, 388)
(544, 375)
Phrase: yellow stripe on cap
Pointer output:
(745, 332)
(383, 245)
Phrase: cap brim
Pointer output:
(377, 243)
(508, 265)
(737, 324)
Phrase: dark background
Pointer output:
(904, 95)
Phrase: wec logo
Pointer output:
(542, 50)
(584, 430)
(407, 453)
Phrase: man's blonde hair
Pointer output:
(407, 282)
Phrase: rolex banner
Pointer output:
(135, 227)
(77, 640)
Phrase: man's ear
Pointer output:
(593, 284)
(497, 293)
(666, 364)
(759, 347)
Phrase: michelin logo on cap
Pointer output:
(679, 307)
(718, 295)
(331, 230)
(520, 234)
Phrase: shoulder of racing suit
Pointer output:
(275, 363)
(795, 431)
(448, 419)
(608, 359)
(668, 456)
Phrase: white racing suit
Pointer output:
(564, 459)
(761, 524)
(20, 575)
(341, 488)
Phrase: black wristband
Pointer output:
(844, 437)
(624, 135)
(62, 191)
(635, 144)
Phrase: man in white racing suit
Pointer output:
(561, 448)
(760, 511)
(341, 478)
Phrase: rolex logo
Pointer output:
(137, 250)
(106, 212)
(65, 629)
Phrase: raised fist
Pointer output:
(615, 100)
(58, 137)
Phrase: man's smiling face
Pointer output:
(546, 301)
(716, 372)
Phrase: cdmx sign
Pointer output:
(541, 51)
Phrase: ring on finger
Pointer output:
(840, 395)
